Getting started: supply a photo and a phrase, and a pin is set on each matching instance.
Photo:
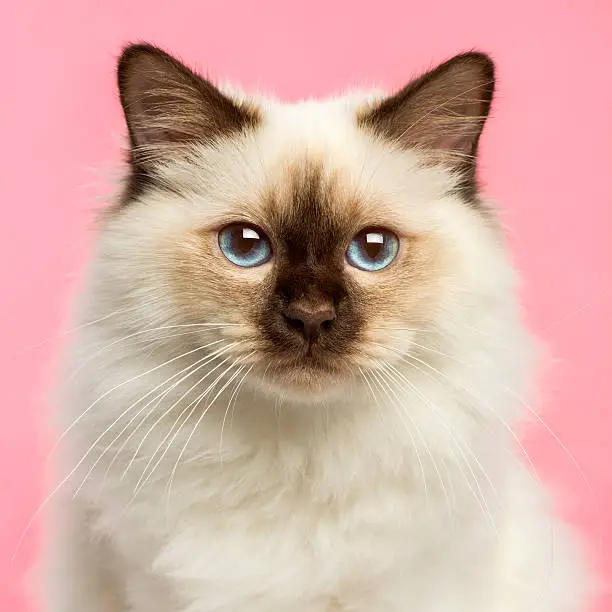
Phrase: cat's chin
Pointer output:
(304, 383)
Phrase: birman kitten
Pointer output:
(301, 366)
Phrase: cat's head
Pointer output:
(305, 243)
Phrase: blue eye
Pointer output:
(245, 245)
(372, 249)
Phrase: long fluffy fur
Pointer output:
(400, 488)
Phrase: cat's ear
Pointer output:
(443, 111)
(166, 105)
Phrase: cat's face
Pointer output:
(304, 243)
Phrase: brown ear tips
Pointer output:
(481, 58)
(169, 107)
(482, 63)
(477, 66)
(429, 109)
(128, 54)
(475, 57)
(441, 113)
(135, 55)
(132, 51)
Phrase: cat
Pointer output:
(301, 365)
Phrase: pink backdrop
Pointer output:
(547, 156)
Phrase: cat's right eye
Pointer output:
(245, 245)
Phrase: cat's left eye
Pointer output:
(372, 249)
(245, 245)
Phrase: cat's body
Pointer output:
(301, 434)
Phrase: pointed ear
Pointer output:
(442, 112)
(167, 106)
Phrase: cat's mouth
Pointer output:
(314, 356)
(309, 372)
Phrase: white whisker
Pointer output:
(408, 430)
(123, 384)
(191, 369)
(197, 424)
(57, 488)
(424, 442)
(193, 327)
(461, 445)
(229, 404)
(168, 411)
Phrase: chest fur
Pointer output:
(216, 550)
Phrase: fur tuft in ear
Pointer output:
(442, 112)
(167, 105)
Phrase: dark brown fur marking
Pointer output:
(168, 106)
(310, 266)
(443, 111)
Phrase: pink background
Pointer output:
(547, 155)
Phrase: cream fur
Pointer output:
(352, 500)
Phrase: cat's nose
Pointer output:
(309, 318)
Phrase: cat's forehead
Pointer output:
(307, 173)
(318, 167)
(310, 207)
(313, 124)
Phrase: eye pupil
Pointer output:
(244, 245)
(373, 247)
(372, 250)
(243, 242)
